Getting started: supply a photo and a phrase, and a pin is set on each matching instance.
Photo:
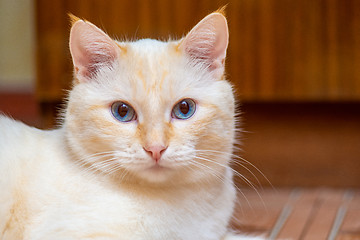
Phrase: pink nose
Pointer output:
(155, 151)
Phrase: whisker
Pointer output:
(123, 175)
(226, 166)
(237, 162)
(108, 153)
(113, 169)
(249, 183)
(214, 172)
(257, 169)
(96, 163)
(246, 168)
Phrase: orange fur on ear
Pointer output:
(74, 19)
(222, 10)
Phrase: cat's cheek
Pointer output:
(211, 130)
(96, 131)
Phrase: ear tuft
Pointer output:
(222, 10)
(207, 42)
(73, 18)
(91, 49)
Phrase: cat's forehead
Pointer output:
(150, 49)
(145, 74)
(150, 63)
(147, 44)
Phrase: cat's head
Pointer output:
(151, 110)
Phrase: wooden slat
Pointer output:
(51, 49)
(242, 67)
(257, 212)
(299, 52)
(300, 215)
(350, 228)
(323, 219)
(332, 60)
(355, 32)
(266, 49)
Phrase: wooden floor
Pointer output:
(300, 213)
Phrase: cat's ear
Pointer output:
(207, 42)
(90, 49)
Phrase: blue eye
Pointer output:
(123, 112)
(184, 109)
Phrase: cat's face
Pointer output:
(156, 111)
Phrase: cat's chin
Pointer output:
(156, 173)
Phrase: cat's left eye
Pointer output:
(123, 112)
(184, 109)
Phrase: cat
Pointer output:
(144, 147)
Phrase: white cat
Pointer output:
(143, 151)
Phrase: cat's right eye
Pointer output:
(123, 112)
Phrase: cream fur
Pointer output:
(92, 178)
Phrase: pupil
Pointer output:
(123, 110)
(184, 107)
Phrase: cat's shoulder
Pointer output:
(16, 136)
(10, 128)
(20, 143)
(8, 122)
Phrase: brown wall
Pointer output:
(300, 50)
(302, 144)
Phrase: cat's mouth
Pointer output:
(158, 167)
(156, 173)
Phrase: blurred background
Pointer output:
(295, 65)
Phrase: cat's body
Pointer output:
(144, 149)
(48, 196)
